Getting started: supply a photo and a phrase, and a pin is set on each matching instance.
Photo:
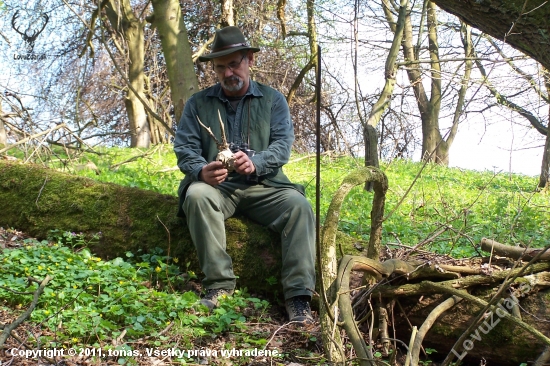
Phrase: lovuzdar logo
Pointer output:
(29, 26)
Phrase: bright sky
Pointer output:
(499, 147)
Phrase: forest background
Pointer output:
(118, 74)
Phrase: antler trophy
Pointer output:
(225, 155)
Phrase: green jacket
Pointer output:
(262, 119)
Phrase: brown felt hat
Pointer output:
(227, 40)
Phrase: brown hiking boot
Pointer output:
(298, 310)
(210, 299)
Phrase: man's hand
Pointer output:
(243, 165)
(213, 173)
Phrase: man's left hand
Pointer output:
(243, 164)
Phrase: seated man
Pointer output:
(255, 186)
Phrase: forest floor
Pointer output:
(297, 345)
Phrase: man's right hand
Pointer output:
(213, 173)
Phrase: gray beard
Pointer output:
(233, 87)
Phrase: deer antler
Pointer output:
(223, 144)
(225, 155)
(224, 140)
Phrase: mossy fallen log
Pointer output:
(35, 200)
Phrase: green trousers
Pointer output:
(283, 210)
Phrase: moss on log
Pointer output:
(36, 200)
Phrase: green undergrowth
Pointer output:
(450, 208)
(90, 301)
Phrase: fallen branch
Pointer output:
(463, 283)
(463, 294)
(509, 251)
(9, 327)
(354, 263)
(543, 358)
(428, 323)
(22, 141)
(411, 343)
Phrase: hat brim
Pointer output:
(228, 51)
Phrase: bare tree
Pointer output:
(130, 28)
(527, 94)
(435, 146)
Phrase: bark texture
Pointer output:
(177, 52)
(524, 25)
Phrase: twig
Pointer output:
(133, 158)
(8, 328)
(117, 341)
(16, 292)
(40, 192)
(277, 330)
(411, 342)
(167, 253)
(426, 241)
(22, 141)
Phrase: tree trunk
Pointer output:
(36, 200)
(3, 135)
(466, 32)
(312, 63)
(128, 26)
(177, 52)
(435, 148)
(441, 155)
(544, 181)
(227, 18)
(427, 107)
(139, 126)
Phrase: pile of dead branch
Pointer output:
(465, 309)
(493, 309)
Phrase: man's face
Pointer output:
(233, 72)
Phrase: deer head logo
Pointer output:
(29, 28)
